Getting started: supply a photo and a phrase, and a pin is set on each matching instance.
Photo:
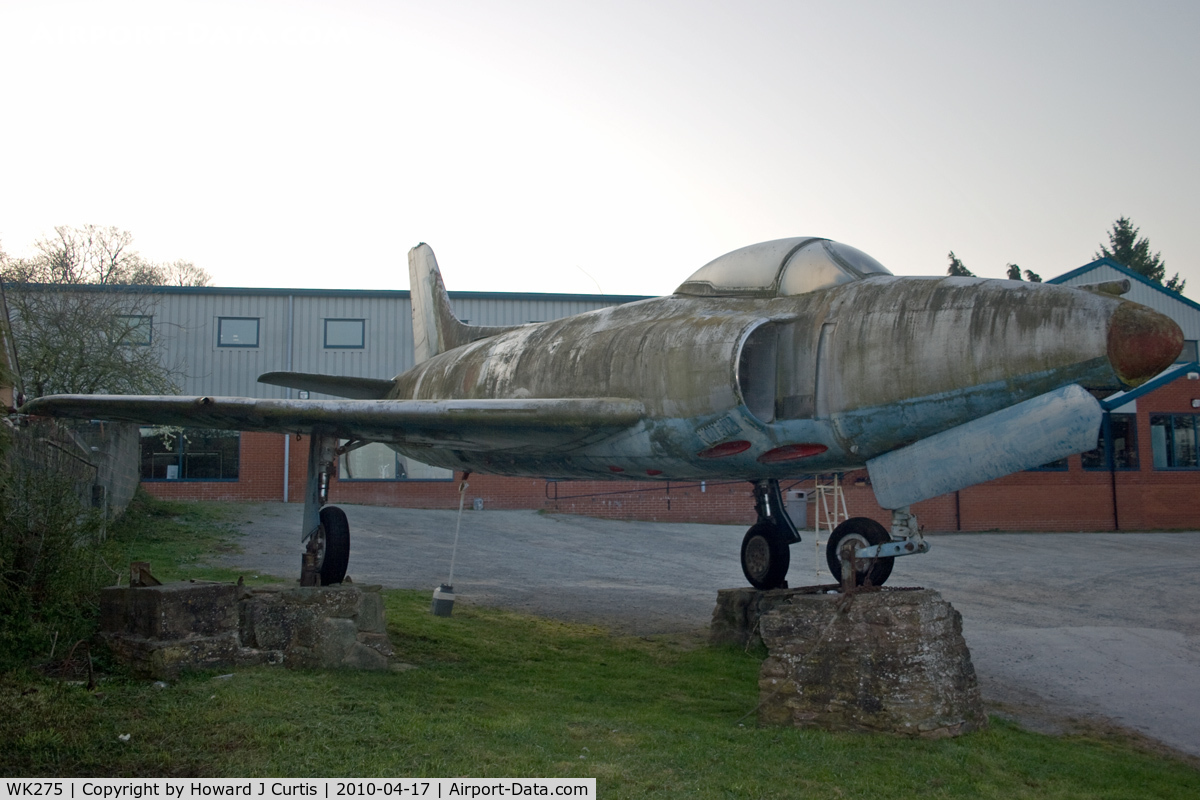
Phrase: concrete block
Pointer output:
(171, 611)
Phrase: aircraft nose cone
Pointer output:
(1142, 343)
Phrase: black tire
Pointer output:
(334, 554)
(868, 532)
(765, 556)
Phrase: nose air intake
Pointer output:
(1142, 343)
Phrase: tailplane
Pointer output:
(435, 328)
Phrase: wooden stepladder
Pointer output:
(830, 512)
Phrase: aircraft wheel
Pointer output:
(765, 556)
(333, 555)
(863, 532)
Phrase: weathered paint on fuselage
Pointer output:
(859, 369)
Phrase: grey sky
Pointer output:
(534, 144)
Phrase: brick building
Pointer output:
(1143, 475)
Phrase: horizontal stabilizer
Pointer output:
(336, 385)
(1040, 430)
(461, 424)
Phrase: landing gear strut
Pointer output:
(326, 531)
(765, 548)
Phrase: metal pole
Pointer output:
(1111, 460)
(287, 437)
(462, 495)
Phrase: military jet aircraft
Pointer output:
(785, 358)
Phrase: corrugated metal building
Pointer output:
(221, 340)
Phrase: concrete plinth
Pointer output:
(889, 661)
(159, 631)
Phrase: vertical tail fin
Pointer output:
(435, 328)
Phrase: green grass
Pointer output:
(493, 693)
(179, 539)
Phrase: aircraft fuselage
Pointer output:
(739, 387)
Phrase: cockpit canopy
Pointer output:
(781, 268)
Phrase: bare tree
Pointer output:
(82, 317)
(183, 273)
(95, 255)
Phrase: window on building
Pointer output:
(135, 329)
(1124, 436)
(1173, 440)
(1189, 352)
(237, 332)
(378, 462)
(345, 334)
(189, 454)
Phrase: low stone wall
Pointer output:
(891, 661)
(160, 631)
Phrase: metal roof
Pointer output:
(1074, 276)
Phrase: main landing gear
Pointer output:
(765, 547)
(859, 545)
(326, 530)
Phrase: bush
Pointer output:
(50, 544)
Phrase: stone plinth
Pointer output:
(735, 618)
(161, 630)
(174, 611)
(889, 661)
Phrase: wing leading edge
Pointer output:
(459, 424)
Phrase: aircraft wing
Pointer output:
(461, 424)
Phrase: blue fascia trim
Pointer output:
(1127, 272)
(1168, 375)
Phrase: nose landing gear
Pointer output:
(859, 543)
(847, 539)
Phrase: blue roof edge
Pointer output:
(1127, 272)
(1168, 375)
